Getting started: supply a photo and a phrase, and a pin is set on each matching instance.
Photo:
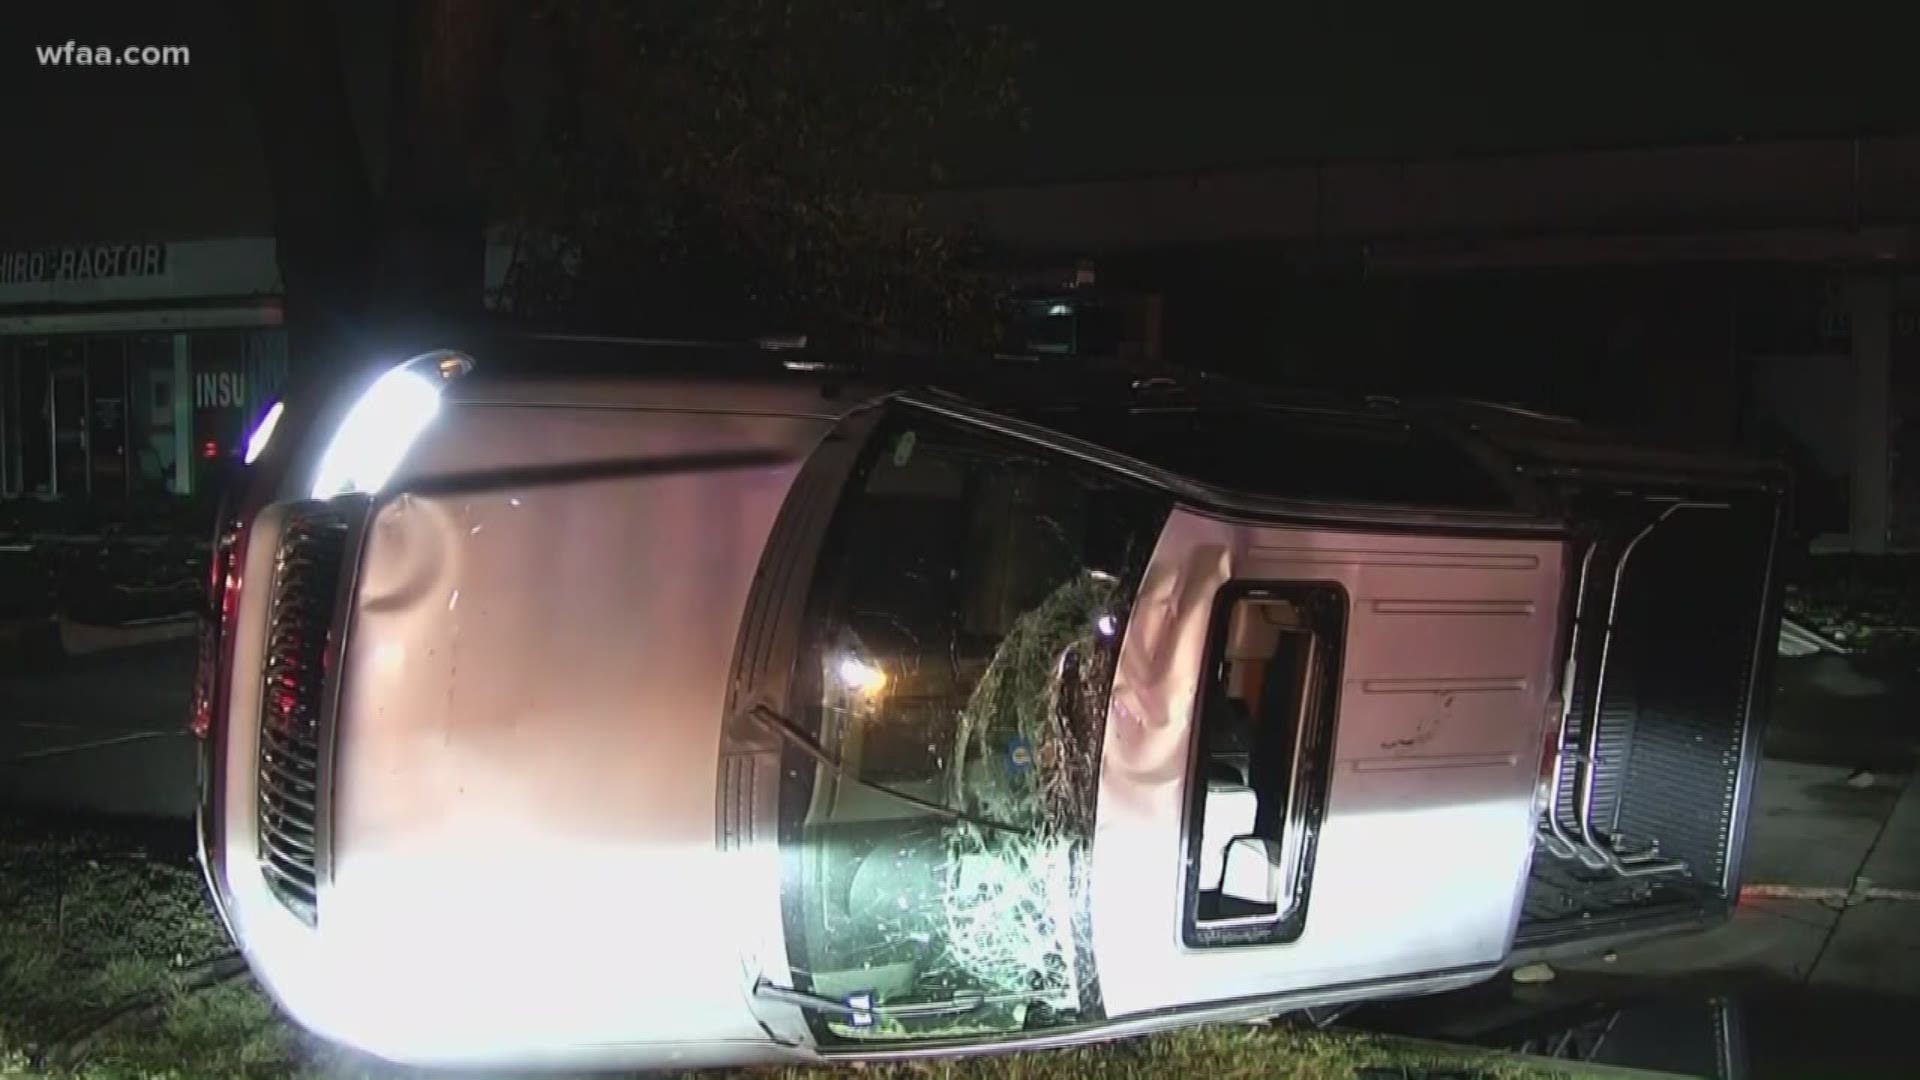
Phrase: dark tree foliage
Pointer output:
(711, 167)
(671, 167)
(379, 218)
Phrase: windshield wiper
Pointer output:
(860, 1010)
(793, 733)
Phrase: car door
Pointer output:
(940, 692)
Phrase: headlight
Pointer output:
(383, 423)
(263, 432)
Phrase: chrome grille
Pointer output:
(306, 579)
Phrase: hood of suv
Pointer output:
(520, 848)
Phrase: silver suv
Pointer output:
(589, 702)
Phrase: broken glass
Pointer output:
(963, 627)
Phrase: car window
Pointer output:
(963, 623)
(1259, 780)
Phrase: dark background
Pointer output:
(1629, 213)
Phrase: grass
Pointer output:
(91, 919)
(93, 916)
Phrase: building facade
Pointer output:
(140, 300)
(131, 371)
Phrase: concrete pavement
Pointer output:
(1814, 831)
(1875, 945)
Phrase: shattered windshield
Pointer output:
(963, 627)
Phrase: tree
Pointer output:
(681, 167)
(707, 167)
(375, 236)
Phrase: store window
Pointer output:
(104, 426)
(153, 449)
(130, 416)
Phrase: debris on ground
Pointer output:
(1533, 974)
(1798, 639)
(1862, 604)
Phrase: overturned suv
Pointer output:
(601, 703)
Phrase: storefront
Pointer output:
(130, 372)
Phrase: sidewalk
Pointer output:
(1876, 945)
(1836, 803)
(1814, 831)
